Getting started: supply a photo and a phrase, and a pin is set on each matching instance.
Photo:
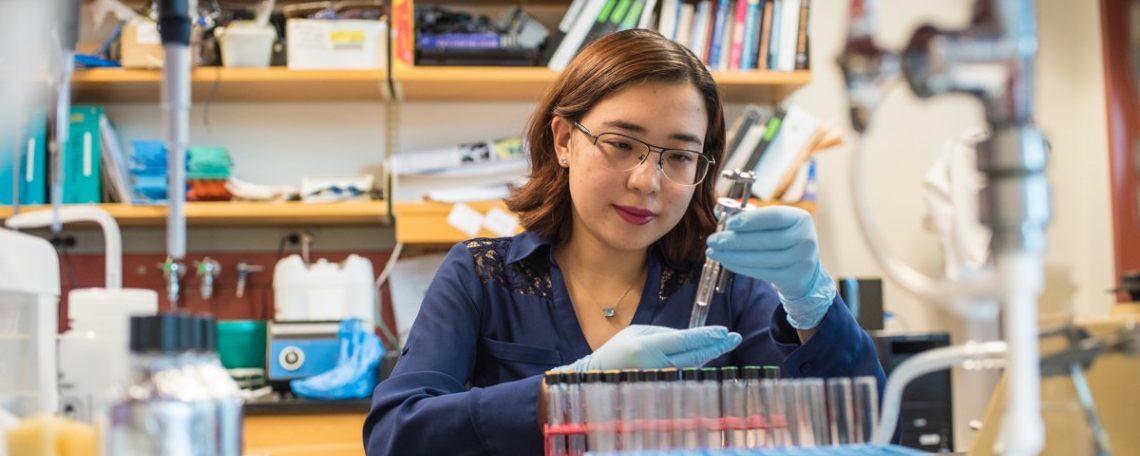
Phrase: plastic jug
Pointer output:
(324, 290)
(29, 303)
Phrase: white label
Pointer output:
(929, 439)
(501, 222)
(146, 32)
(465, 219)
(87, 154)
(31, 160)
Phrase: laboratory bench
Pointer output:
(305, 427)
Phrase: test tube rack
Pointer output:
(679, 411)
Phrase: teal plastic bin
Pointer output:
(241, 344)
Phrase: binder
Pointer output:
(29, 144)
(83, 157)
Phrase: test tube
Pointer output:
(866, 406)
(668, 437)
(575, 415)
(610, 438)
(840, 409)
(754, 411)
(687, 420)
(796, 409)
(816, 397)
(555, 411)
(652, 409)
(629, 429)
(710, 408)
(597, 409)
(775, 411)
(733, 405)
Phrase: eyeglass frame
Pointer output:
(660, 153)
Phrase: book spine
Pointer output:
(667, 25)
(719, 23)
(633, 16)
(748, 48)
(403, 31)
(738, 34)
(765, 33)
(802, 42)
(789, 31)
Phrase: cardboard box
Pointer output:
(140, 45)
(343, 44)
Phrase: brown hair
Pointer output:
(606, 66)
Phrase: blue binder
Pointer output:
(84, 157)
(30, 147)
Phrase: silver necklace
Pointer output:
(609, 311)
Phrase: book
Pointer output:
(700, 30)
(765, 35)
(28, 148)
(770, 130)
(684, 32)
(559, 33)
(726, 42)
(751, 129)
(802, 41)
(115, 167)
(646, 21)
(787, 150)
(458, 40)
(739, 20)
(670, 13)
(751, 36)
(720, 21)
(774, 34)
(633, 16)
(797, 190)
(794, 169)
(81, 162)
(789, 33)
(574, 38)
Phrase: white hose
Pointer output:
(176, 107)
(960, 297)
(112, 237)
(925, 363)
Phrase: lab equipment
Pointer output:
(66, 36)
(713, 277)
(244, 269)
(707, 409)
(355, 374)
(172, 272)
(246, 44)
(164, 409)
(992, 59)
(655, 347)
(241, 344)
(29, 302)
(323, 290)
(218, 384)
(174, 28)
(299, 349)
(207, 269)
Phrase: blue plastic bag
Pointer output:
(356, 371)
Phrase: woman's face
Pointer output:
(629, 210)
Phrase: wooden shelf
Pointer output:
(244, 213)
(234, 84)
(427, 83)
(426, 222)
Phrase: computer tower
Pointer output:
(865, 299)
(926, 415)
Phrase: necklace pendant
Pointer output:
(608, 312)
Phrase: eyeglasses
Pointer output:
(623, 153)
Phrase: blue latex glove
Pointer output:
(778, 244)
(658, 347)
(355, 374)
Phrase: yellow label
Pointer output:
(77, 117)
(347, 36)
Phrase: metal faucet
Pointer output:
(172, 271)
(207, 270)
(244, 268)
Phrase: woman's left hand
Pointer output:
(778, 244)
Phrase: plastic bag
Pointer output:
(356, 372)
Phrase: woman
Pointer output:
(618, 212)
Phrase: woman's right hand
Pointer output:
(658, 347)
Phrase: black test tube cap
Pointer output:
(631, 375)
(729, 373)
(611, 376)
(710, 374)
(670, 374)
(690, 373)
(594, 376)
(752, 372)
(651, 375)
(553, 378)
(571, 378)
(156, 333)
(772, 372)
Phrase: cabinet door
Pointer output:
(1120, 32)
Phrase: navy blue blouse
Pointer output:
(497, 315)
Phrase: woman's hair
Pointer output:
(606, 66)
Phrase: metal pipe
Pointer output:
(174, 27)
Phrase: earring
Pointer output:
(565, 161)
